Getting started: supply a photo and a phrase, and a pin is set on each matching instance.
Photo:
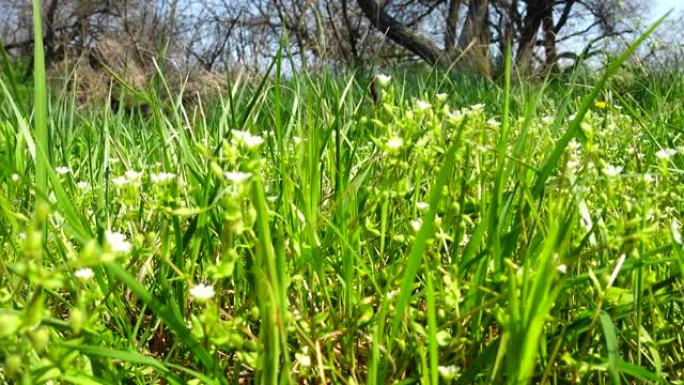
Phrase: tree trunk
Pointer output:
(534, 14)
(549, 41)
(451, 20)
(474, 40)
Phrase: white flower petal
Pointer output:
(202, 292)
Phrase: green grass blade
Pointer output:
(165, 314)
(612, 347)
(40, 100)
(420, 244)
(574, 130)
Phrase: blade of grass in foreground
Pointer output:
(40, 102)
(417, 250)
(574, 130)
(612, 346)
(125, 356)
(166, 315)
(270, 276)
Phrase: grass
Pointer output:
(292, 231)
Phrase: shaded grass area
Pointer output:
(293, 231)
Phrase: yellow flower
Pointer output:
(601, 105)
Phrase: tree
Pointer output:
(533, 27)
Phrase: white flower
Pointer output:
(676, 234)
(118, 242)
(303, 359)
(62, 170)
(84, 274)
(477, 107)
(448, 372)
(132, 175)
(383, 80)
(247, 139)
(82, 185)
(394, 143)
(415, 224)
(456, 117)
(253, 141)
(238, 177)
(422, 206)
(15, 177)
(493, 123)
(296, 140)
(648, 178)
(202, 292)
(422, 105)
(162, 177)
(442, 96)
(562, 268)
(611, 171)
(665, 153)
(120, 181)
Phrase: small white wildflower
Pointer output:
(15, 177)
(415, 224)
(448, 372)
(202, 292)
(383, 80)
(648, 178)
(665, 153)
(303, 359)
(611, 171)
(477, 107)
(62, 170)
(118, 242)
(82, 185)
(162, 177)
(676, 233)
(493, 123)
(562, 268)
(84, 274)
(132, 175)
(392, 294)
(253, 141)
(394, 143)
(442, 97)
(247, 139)
(120, 181)
(237, 177)
(240, 135)
(574, 145)
(422, 206)
(547, 119)
(422, 105)
(296, 140)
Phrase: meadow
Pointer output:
(458, 230)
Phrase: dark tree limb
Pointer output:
(402, 35)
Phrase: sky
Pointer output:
(662, 6)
